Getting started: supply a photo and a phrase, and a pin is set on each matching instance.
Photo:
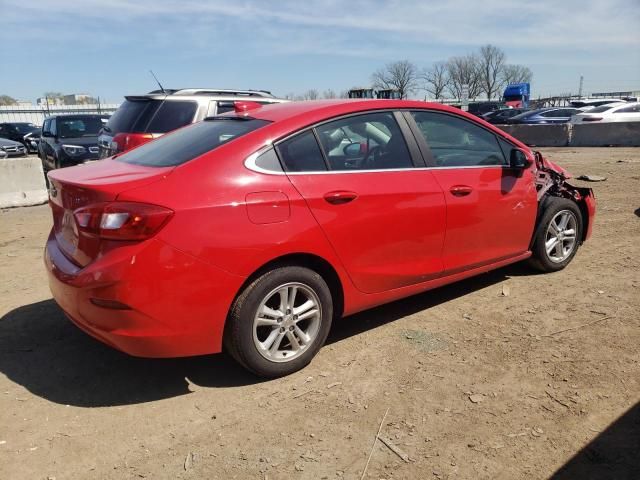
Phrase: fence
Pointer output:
(37, 113)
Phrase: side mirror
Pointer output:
(352, 150)
(518, 159)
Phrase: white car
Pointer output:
(588, 104)
(612, 112)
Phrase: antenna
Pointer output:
(157, 81)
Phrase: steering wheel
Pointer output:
(370, 157)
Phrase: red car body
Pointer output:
(377, 236)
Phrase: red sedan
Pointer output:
(256, 229)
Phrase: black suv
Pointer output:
(69, 140)
(24, 132)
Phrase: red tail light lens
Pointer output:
(591, 119)
(126, 141)
(121, 220)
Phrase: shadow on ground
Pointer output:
(42, 351)
(612, 455)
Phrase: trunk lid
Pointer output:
(84, 185)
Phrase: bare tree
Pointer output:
(436, 79)
(7, 100)
(329, 93)
(490, 66)
(401, 76)
(312, 94)
(516, 74)
(463, 71)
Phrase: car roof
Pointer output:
(329, 108)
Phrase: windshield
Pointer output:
(25, 127)
(79, 127)
(190, 142)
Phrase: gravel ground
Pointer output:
(542, 382)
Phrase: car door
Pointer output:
(491, 208)
(384, 216)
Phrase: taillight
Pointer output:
(591, 119)
(121, 220)
(126, 141)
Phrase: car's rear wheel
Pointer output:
(557, 236)
(279, 321)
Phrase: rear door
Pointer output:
(491, 208)
(384, 216)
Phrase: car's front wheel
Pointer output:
(557, 236)
(280, 321)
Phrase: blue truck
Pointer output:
(517, 95)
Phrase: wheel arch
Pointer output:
(309, 260)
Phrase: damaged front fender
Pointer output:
(551, 180)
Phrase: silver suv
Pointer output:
(141, 118)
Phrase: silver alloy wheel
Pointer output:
(560, 239)
(287, 322)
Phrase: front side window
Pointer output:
(455, 142)
(371, 141)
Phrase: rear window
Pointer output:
(172, 115)
(133, 116)
(190, 142)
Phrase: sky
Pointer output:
(107, 48)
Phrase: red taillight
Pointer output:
(591, 119)
(126, 141)
(121, 220)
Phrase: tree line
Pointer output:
(485, 72)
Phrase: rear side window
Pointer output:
(455, 142)
(133, 116)
(172, 115)
(302, 154)
(190, 142)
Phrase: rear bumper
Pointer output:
(177, 304)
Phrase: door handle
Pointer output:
(340, 197)
(461, 190)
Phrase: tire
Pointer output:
(259, 329)
(547, 255)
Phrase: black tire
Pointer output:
(239, 331)
(541, 259)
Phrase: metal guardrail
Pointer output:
(37, 113)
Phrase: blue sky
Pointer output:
(105, 48)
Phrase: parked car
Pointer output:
(481, 108)
(545, 115)
(586, 104)
(144, 117)
(614, 112)
(11, 148)
(258, 229)
(498, 117)
(69, 140)
(32, 140)
(20, 132)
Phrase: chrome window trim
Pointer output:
(250, 163)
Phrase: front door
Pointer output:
(491, 208)
(384, 217)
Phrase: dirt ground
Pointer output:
(541, 382)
